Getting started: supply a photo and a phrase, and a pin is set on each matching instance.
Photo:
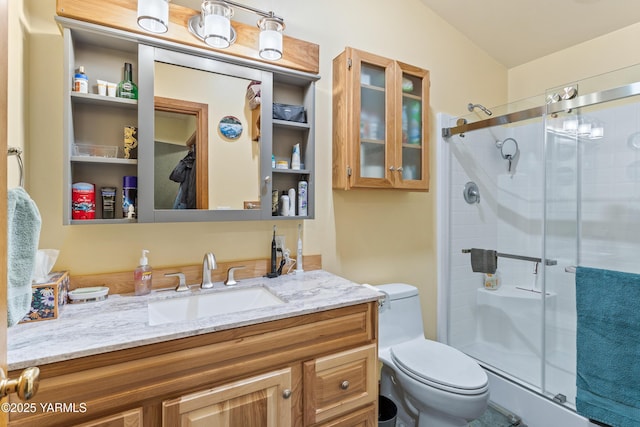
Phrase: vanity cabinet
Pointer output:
(380, 123)
(236, 177)
(311, 370)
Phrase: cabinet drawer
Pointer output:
(339, 383)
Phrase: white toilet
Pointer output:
(430, 381)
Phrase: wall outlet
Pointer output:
(280, 243)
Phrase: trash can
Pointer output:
(387, 412)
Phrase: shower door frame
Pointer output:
(444, 159)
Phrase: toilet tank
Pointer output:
(400, 318)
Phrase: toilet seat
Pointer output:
(440, 366)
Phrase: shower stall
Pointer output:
(548, 183)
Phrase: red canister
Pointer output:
(83, 201)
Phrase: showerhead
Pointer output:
(471, 106)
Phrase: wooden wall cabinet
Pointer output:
(317, 369)
(380, 123)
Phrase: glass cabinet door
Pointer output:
(413, 137)
(374, 91)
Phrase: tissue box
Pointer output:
(47, 299)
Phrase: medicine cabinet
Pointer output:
(192, 104)
(380, 123)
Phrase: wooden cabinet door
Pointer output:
(131, 418)
(365, 417)
(411, 168)
(339, 383)
(260, 401)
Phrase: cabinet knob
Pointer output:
(286, 393)
(344, 385)
(267, 178)
(399, 169)
(391, 168)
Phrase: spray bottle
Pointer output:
(142, 275)
(299, 269)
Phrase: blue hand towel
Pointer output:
(23, 233)
(608, 346)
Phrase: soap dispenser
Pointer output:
(142, 275)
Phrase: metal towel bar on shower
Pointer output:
(15, 151)
(520, 257)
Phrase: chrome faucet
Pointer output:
(208, 264)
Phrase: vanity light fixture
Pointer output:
(153, 15)
(213, 26)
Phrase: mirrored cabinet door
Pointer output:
(201, 154)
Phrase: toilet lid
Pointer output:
(440, 366)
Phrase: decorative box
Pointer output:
(47, 299)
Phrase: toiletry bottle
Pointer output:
(295, 157)
(492, 281)
(81, 81)
(292, 202)
(302, 198)
(299, 268)
(142, 275)
(127, 88)
(284, 204)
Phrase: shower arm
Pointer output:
(520, 257)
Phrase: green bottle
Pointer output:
(127, 88)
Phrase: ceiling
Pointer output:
(517, 31)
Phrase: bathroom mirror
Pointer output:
(192, 95)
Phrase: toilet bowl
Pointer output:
(431, 382)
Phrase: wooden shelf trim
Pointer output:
(122, 15)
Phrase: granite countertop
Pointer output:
(121, 321)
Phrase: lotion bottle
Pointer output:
(142, 275)
(492, 281)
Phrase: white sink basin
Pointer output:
(212, 304)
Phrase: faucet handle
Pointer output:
(230, 279)
(182, 286)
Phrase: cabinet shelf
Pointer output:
(290, 125)
(412, 146)
(292, 171)
(373, 141)
(105, 160)
(110, 101)
(412, 96)
(102, 221)
(372, 87)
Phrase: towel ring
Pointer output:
(15, 151)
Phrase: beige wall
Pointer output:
(368, 236)
(371, 236)
(601, 55)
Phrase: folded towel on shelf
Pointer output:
(484, 261)
(23, 233)
(608, 346)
